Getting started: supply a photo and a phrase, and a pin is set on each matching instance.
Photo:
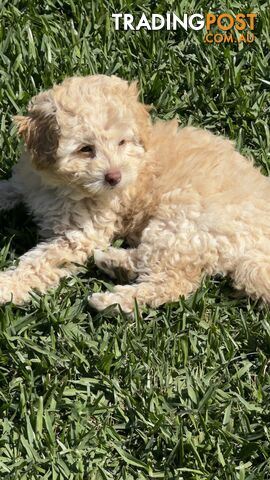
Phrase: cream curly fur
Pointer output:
(187, 202)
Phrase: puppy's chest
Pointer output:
(136, 210)
(133, 221)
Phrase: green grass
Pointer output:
(184, 392)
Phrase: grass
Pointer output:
(184, 392)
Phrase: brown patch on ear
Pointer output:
(40, 130)
(22, 124)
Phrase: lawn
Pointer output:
(181, 392)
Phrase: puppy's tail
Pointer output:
(9, 196)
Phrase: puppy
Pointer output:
(96, 168)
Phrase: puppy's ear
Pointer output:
(144, 124)
(133, 90)
(40, 130)
(142, 115)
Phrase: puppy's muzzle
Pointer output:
(113, 177)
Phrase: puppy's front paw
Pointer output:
(104, 261)
(116, 263)
(100, 301)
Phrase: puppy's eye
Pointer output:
(122, 143)
(89, 149)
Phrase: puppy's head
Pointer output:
(89, 133)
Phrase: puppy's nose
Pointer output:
(113, 177)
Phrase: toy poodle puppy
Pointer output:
(96, 168)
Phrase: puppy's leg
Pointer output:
(162, 277)
(252, 274)
(151, 291)
(169, 262)
(9, 197)
(43, 266)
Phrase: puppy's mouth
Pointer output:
(99, 187)
(109, 182)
